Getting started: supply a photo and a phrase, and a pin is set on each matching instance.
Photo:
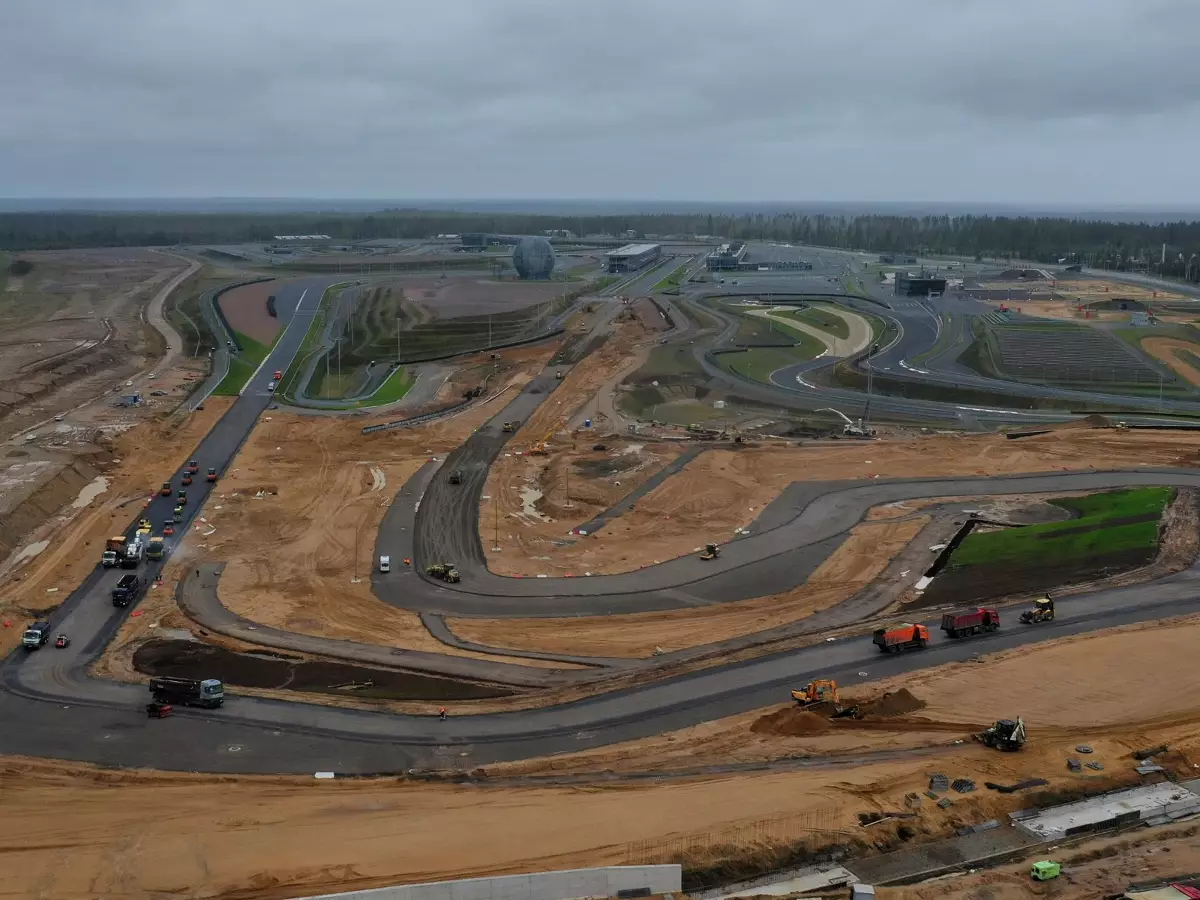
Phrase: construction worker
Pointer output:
(408, 561)
(442, 713)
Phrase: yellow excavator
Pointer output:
(711, 551)
(822, 695)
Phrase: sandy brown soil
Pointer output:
(73, 329)
(1104, 689)
(1067, 308)
(292, 553)
(470, 295)
(76, 535)
(246, 309)
(1181, 356)
(856, 563)
(528, 494)
(146, 834)
(1103, 867)
(723, 490)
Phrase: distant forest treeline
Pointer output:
(1112, 245)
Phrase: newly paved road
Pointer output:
(51, 706)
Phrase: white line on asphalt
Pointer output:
(290, 323)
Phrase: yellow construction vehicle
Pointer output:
(711, 551)
(538, 447)
(1043, 611)
(509, 427)
(822, 695)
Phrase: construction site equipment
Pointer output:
(155, 548)
(143, 526)
(208, 692)
(445, 571)
(1043, 611)
(211, 476)
(851, 428)
(177, 514)
(165, 490)
(193, 467)
(711, 551)
(114, 551)
(182, 498)
(186, 479)
(472, 393)
(134, 551)
(538, 447)
(35, 636)
(822, 695)
(509, 427)
(558, 375)
(126, 590)
(1044, 870)
(168, 527)
(899, 638)
(456, 476)
(1006, 734)
(975, 621)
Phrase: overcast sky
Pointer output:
(1029, 101)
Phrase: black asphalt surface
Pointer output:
(52, 707)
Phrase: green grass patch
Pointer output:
(397, 385)
(672, 281)
(241, 367)
(758, 364)
(1107, 524)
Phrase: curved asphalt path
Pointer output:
(52, 707)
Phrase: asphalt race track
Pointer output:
(51, 706)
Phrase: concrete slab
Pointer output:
(1136, 803)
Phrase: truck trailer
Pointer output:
(114, 551)
(970, 621)
(899, 638)
(207, 693)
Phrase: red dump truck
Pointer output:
(970, 621)
(901, 637)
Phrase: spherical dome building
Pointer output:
(533, 258)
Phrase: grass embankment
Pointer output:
(1109, 533)
(670, 284)
(242, 366)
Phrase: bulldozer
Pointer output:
(822, 695)
(1043, 611)
(711, 551)
(445, 571)
(1006, 734)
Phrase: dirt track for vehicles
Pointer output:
(1182, 356)
(723, 490)
(453, 297)
(246, 310)
(293, 552)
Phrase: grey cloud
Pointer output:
(676, 99)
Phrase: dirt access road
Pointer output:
(1182, 356)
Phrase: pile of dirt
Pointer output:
(791, 722)
(898, 703)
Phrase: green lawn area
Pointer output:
(243, 366)
(672, 281)
(821, 318)
(759, 363)
(1107, 523)
(394, 388)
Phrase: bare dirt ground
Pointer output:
(246, 310)
(528, 494)
(74, 328)
(1103, 689)
(1067, 309)
(57, 554)
(723, 490)
(1182, 356)
(855, 564)
(471, 295)
(1104, 867)
(136, 834)
(296, 516)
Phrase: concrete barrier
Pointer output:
(571, 884)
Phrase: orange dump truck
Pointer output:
(899, 638)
